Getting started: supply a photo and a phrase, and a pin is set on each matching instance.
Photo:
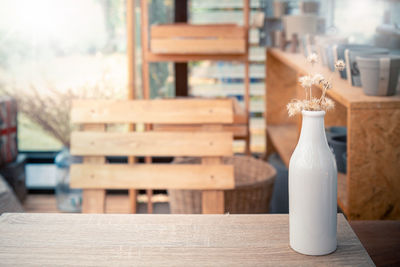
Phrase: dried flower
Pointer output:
(306, 81)
(50, 108)
(327, 104)
(295, 107)
(339, 65)
(326, 85)
(318, 78)
(313, 58)
(311, 103)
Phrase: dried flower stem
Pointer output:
(307, 81)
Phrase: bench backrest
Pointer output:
(94, 143)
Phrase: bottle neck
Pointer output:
(312, 128)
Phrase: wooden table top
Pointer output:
(111, 239)
(381, 239)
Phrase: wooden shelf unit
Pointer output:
(149, 56)
(369, 190)
(285, 136)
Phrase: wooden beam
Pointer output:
(144, 14)
(147, 176)
(152, 144)
(198, 46)
(212, 201)
(181, 69)
(183, 30)
(238, 130)
(246, 16)
(178, 111)
(94, 199)
(131, 46)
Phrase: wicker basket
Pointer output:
(254, 180)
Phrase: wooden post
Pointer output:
(212, 201)
(94, 199)
(146, 78)
(145, 48)
(246, 10)
(130, 11)
(181, 71)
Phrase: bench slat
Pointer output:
(175, 111)
(196, 46)
(152, 176)
(152, 144)
(183, 30)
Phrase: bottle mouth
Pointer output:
(313, 113)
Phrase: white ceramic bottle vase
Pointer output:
(313, 190)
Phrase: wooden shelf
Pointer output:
(284, 139)
(342, 91)
(369, 190)
(342, 192)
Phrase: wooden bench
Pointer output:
(211, 143)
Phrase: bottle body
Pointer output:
(313, 190)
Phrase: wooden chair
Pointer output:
(94, 176)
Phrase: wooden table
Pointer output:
(111, 239)
(381, 239)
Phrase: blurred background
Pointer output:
(52, 51)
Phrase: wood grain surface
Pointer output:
(284, 138)
(156, 176)
(373, 164)
(341, 92)
(168, 240)
(182, 38)
(180, 111)
(198, 46)
(152, 144)
(226, 31)
(381, 239)
(93, 200)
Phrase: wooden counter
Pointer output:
(167, 240)
(369, 190)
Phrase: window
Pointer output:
(55, 50)
(360, 18)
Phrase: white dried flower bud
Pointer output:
(295, 107)
(306, 81)
(313, 58)
(326, 85)
(328, 104)
(314, 104)
(318, 78)
(340, 65)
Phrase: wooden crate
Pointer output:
(182, 38)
